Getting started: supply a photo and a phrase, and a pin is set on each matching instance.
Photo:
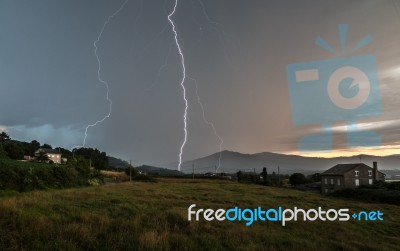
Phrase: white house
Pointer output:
(52, 154)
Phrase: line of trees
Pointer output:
(27, 176)
(98, 159)
(274, 179)
(16, 150)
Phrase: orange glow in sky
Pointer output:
(381, 151)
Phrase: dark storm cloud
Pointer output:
(237, 51)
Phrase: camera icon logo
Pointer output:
(359, 78)
(334, 90)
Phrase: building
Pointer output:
(344, 176)
(53, 155)
(27, 158)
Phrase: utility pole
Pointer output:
(193, 170)
(130, 170)
(215, 168)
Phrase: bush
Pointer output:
(26, 176)
(144, 178)
(370, 195)
(394, 186)
(380, 184)
(297, 179)
(95, 182)
(247, 177)
(96, 178)
(133, 170)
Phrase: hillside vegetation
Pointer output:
(27, 176)
(153, 216)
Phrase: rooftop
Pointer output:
(48, 150)
(340, 169)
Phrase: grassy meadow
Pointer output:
(153, 216)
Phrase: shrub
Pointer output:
(297, 179)
(380, 184)
(394, 186)
(144, 178)
(26, 176)
(132, 170)
(370, 195)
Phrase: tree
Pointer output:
(47, 146)
(81, 165)
(131, 171)
(4, 137)
(297, 179)
(14, 151)
(30, 148)
(35, 144)
(63, 151)
(3, 153)
(264, 174)
(316, 177)
(42, 156)
(239, 175)
(99, 159)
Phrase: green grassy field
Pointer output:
(153, 216)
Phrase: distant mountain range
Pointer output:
(159, 170)
(234, 161)
(119, 163)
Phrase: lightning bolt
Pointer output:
(221, 34)
(165, 64)
(182, 82)
(220, 30)
(209, 123)
(99, 73)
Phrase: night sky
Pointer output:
(236, 50)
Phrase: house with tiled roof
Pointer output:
(53, 155)
(344, 176)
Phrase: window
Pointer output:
(356, 173)
(326, 181)
(357, 182)
(331, 181)
(326, 190)
(369, 173)
(338, 182)
(370, 181)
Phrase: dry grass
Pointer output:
(112, 174)
(153, 216)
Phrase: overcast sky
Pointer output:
(236, 50)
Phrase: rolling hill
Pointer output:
(234, 161)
